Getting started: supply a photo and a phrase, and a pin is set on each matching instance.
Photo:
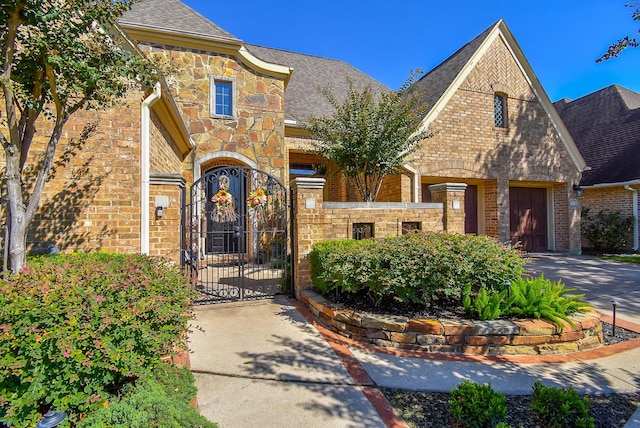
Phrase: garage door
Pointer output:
(528, 216)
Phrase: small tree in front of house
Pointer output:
(369, 135)
(59, 57)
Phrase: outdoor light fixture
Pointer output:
(52, 419)
(507, 284)
(161, 203)
(613, 324)
(579, 190)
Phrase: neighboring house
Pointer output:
(606, 128)
(235, 104)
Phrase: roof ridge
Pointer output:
(249, 45)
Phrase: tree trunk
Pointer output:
(16, 214)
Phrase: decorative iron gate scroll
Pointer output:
(237, 235)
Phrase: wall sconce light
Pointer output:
(579, 190)
(161, 204)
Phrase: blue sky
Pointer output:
(561, 39)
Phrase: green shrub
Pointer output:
(606, 231)
(486, 306)
(158, 400)
(477, 406)
(560, 408)
(541, 298)
(75, 328)
(415, 268)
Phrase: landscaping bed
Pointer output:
(431, 409)
(457, 335)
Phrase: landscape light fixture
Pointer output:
(51, 419)
(613, 329)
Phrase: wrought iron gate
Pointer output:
(237, 235)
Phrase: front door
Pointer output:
(528, 217)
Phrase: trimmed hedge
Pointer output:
(76, 328)
(415, 268)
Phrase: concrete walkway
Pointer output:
(267, 363)
(262, 364)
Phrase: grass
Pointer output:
(627, 258)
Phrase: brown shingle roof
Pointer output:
(605, 126)
(435, 82)
(302, 98)
(173, 16)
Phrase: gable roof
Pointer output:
(443, 81)
(606, 128)
(302, 98)
(173, 16)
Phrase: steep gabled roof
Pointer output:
(172, 16)
(443, 81)
(606, 128)
(439, 79)
(302, 98)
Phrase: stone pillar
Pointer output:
(307, 221)
(452, 197)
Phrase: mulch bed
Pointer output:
(431, 409)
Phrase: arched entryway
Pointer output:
(237, 234)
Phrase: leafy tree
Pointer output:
(370, 136)
(627, 41)
(59, 57)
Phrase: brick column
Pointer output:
(452, 197)
(504, 222)
(307, 221)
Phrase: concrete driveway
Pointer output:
(600, 280)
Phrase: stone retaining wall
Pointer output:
(496, 337)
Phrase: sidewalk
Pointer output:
(266, 363)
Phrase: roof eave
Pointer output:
(197, 41)
(616, 184)
(500, 29)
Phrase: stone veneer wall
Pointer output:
(493, 338)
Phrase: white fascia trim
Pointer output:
(619, 184)
(209, 44)
(197, 165)
(501, 30)
(541, 94)
(145, 143)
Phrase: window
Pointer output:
(298, 169)
(222, 99)
(411, 227)
(362, 231)
(500, 111)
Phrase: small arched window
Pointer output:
(500, 110)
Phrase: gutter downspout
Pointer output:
(635, 216)
(145, 142)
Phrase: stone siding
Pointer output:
(493, 338)
(256, 130)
